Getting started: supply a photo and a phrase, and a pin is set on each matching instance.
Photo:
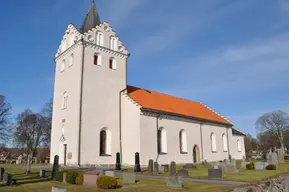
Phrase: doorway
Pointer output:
(196, 154)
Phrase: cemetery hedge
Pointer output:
(271, 167)
(107, 182)
(72, 177)
(250, 166)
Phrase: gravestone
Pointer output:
(166, 168)
(128, 177)
(233, 162)
(244, 163)
(151, 167)
(260, 165)
(230, 157)
(2, 171)
(173, 169)
(137, 163)
(161, 169)
(109, 173)
(215, 173)
(215, 166)
(55, 167)
(28, 165)
(89, 180)
(156, 168)
(183, 173)
(174, 182)
(231, 169)
(117, 164)
(58, 189)
(280, 153)
(64, 177)
(8, 178)
(274, 159)
(42, 173)
(189, 166)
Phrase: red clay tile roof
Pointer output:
(166, 103)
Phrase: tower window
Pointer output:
(113, 43)
(71, 60)
(105, 143)
(112, 63)
(64, 100)
(62, 67)
(97, 59)
(99, 38)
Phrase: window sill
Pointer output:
(105, 155)
(162, 153)
(214, 151)
(184, 152)
(225, 150)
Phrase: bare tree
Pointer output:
(276, 123)
(47, 115)
(29, 129)
(5, 109)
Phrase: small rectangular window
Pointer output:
(110, 63)
(95, 60)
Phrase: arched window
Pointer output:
(162, 140)
(113, 43)
(99, 38)
(97, 59)
(105, 142)
(112, 63)
(71, 57)
(239, 145)
(62, 67)
(225, 143)
(183, 141)
(213, 142)
(64, 100)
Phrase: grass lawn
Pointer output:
(144, 185)
(141, 186)
(244, 175)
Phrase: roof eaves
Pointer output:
(183, 116)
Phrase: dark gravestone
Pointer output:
(156, 168)
(230, 157)
(151, 167)
(137, 164)
(2, 171)
(117, 164)
(215, 173)
(55, 167)
(173, 169)
(189, 166)
(183, 173)
(42, 173)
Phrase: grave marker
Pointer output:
(161, 169)
(189, 166)
(183, 173)
(128, 177)
(109, 173)
(151, 167)
(173, 169)
(137, 163)
(260, 165)
(156, 168)
(55, 167)
(58, 189)
(2, 171)
(215, 173)
(117, 164)
(28, 165)
(174, 182)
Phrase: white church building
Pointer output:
(96, 114)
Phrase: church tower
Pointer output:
(90, 74)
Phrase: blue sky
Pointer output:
(232, 55)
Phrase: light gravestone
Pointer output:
(244, 163)
(174, 182)
(151, 167)
(166, 168)
(274, 159)
(28, 165)
(128, 177)
(260, 165)
(58, 189)
(109, 173)
(161, 169)
(280, 153)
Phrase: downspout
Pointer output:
(120, 140)
(228, 143)
(158, 154)
(80, 103)
(201, 131)
(120, 122)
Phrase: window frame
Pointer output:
(183, 142)
(213, 143)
